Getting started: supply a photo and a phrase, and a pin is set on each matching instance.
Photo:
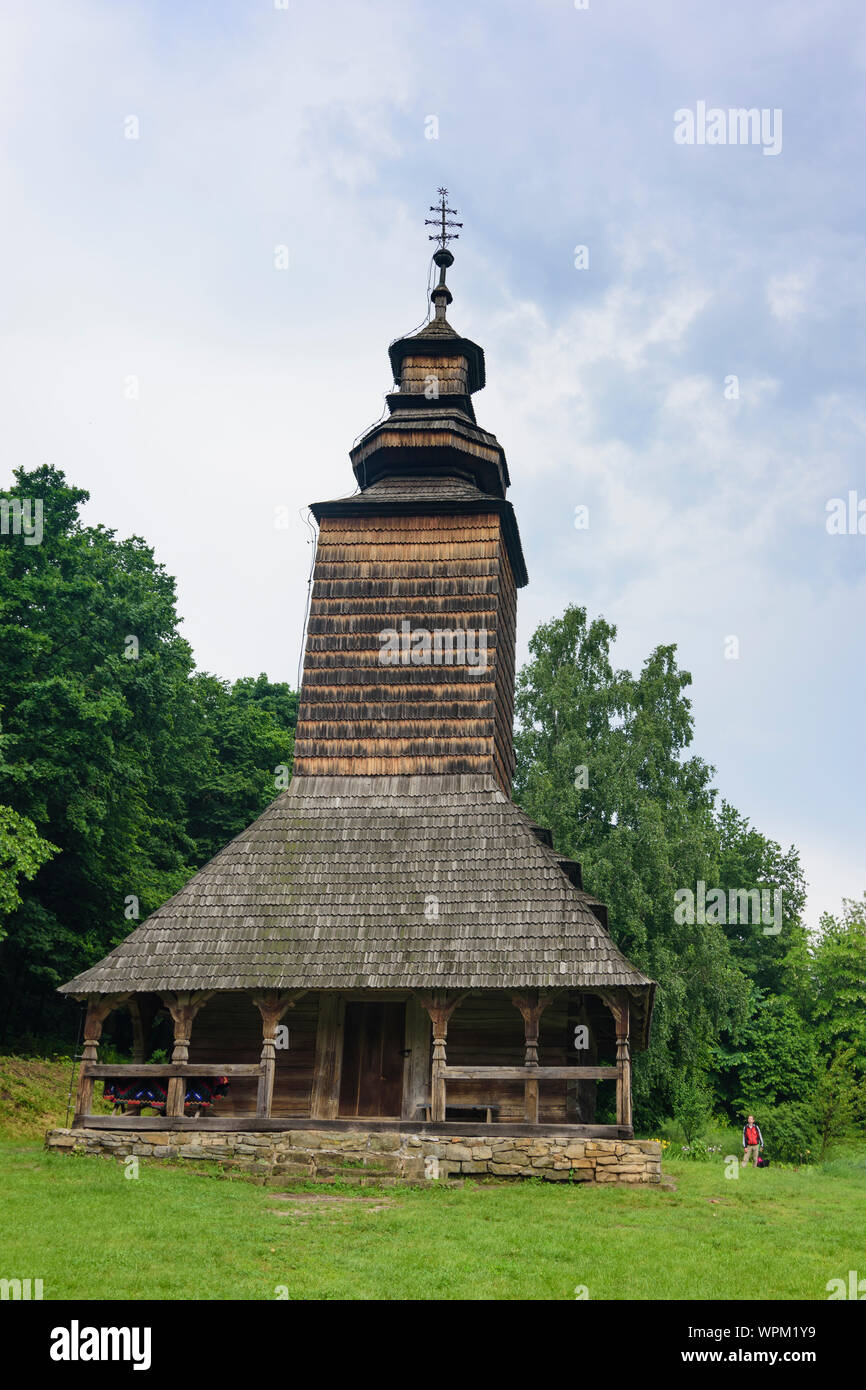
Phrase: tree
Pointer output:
(602, 759)
(249, 731)
(22, 852)
(131, 766)
(838, 1100)
(774, 1059)
(838, 972)
(692, 1104)
(749, 861)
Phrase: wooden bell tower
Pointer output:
(409, 659)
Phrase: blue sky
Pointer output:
(306, 127)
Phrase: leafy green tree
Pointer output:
(22, 852)
(789, 1133)
(838, 1102)
(838, 971)
(249, 731)
(749, 861)
(692, 1101)
(113, 750)
(775, 1059)
(602, 758)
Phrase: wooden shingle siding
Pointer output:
(451, 373)
(360, 717)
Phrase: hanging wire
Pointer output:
(416, 329)
(304, 514)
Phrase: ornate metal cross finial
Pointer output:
(443, 221)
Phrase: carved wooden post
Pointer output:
(183, 1008)
(619, 1006)
(440, 1008)
(99, 1006)
(531, 1006)
(623, 1062)
(272, 1005)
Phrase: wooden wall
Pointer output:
(358, 716)
(451, 374)
(485, 1030)
(229, 1029)
(488, 1031)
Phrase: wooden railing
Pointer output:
(530, 1076)
(92, 1071)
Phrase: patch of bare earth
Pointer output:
(303, 1203)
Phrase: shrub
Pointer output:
(789, 1133)
(692, 1103)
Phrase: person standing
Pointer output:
(753, 1140)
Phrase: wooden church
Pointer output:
(393, 943)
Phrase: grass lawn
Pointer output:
(180, 1232)
(174, 1233)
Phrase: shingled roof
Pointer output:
(377, 883)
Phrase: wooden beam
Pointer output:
(539, 1073)
(272, 1005)
(240, 1124)
(531, 1006)
(440, 1005)
(416, 1071)
(183, 1007)
(618, 1002)
(99, 1006)
(328, 1064)
(169, 1069)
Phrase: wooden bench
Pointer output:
(457, 1111)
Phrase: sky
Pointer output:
(214, 225)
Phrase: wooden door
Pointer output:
(372, 1078)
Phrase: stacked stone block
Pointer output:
(389, 1158)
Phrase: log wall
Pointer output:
(485, 1030)
(229, 1029)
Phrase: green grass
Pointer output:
(34, 1094)
(182, 1232)
(176, 1233)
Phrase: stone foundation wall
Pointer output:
(390, 1158)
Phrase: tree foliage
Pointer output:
(124, 770)
(603, 758)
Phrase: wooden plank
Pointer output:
(253, 1124)
(416, 1072)
(530, 1100)
(327, 1066)
(145, 1069)
(529, 1073)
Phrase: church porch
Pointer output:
(514, 1063)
